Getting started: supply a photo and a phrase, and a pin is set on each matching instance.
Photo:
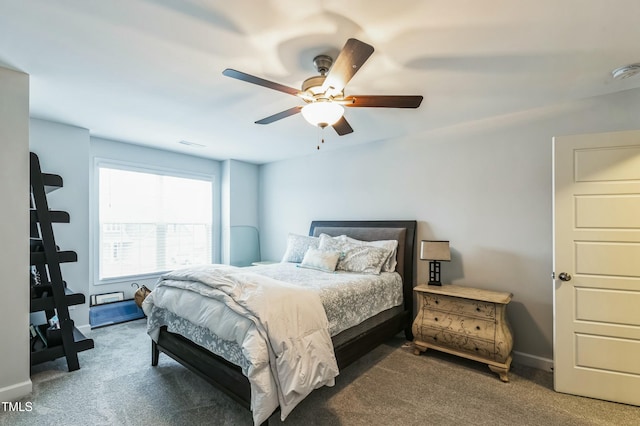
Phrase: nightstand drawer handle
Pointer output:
(477, 327)
(437, 301)
(478, 309)
(436, 318)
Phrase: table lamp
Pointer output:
(434, 251)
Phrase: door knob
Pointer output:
(564, 276)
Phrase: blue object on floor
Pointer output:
(114, 313)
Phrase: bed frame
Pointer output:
(229, 378)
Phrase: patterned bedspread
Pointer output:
(348, 299)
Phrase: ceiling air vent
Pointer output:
(197, 145)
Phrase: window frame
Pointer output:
(95, 211)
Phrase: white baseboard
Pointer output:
(16, 391)
(534, 361)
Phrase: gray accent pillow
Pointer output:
(358, 258)
(297, 246)
(320, 260)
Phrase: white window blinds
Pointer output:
(151, 222)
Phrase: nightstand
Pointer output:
(467, 322)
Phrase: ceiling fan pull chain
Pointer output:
(321, 136)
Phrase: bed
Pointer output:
(230, 375)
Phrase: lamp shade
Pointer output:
(435, 250)
(322, 113)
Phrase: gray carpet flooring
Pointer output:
(116, 385)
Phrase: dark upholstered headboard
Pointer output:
(404, 231)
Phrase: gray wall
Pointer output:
(239, 189)
(486, 186)
(14, 231)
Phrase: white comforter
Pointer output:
(282, 329)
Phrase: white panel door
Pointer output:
(597, 266)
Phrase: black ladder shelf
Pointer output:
(49, 293)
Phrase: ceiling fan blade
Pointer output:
(374, 101)
(280, 115)
(342, 127)
(352, 56)
(239, 75)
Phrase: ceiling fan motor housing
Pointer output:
(313, 85)
(322, 63)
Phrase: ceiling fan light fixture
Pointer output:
(322, 113)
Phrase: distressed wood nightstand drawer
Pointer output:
(464, 307)
(470, 326)
(458, 342)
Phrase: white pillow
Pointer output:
(297, 246)
(391, 245)
(360, 258)
(321, 260)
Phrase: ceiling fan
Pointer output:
(324, 93)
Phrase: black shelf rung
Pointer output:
(39, 258)
(47, 354)
(40, 303)
(56, 216)
(80, 343)
(51, 182)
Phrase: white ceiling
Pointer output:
(150, 71)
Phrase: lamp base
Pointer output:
(434, 273)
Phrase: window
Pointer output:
(151, 222)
